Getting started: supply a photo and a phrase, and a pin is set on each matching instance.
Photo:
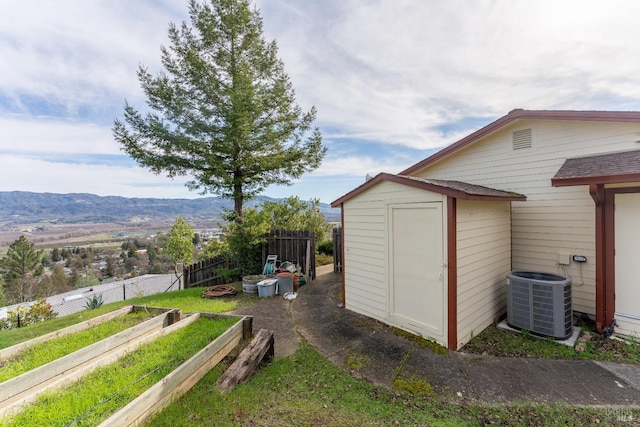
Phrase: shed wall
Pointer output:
(553, 222)
(366, 245)
(484, 259)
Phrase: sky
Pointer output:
(393, 81)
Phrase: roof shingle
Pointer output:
(623, 166)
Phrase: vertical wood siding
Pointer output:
(553, 221)
(484, 259)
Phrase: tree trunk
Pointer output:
(238, 199)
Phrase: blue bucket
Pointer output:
(267, 288)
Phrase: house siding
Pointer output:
(484, 259)
(552, 222)
(366, 245)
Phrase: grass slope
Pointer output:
(307, 390)
(101, 393)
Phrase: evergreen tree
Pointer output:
(224, 110)
(21, 267)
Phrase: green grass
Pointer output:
(101, 393)
(307, 390)
(188, 300)
(11, 337)
(45, 352)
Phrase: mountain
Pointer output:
(22, 207)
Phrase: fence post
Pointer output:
(18, 319)
(124, 292)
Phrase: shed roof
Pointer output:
(520, 114)
(456, 189)
(623, 166)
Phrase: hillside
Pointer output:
(20, 207)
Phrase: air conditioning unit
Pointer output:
(540, 303)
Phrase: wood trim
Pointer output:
(344, 295)
(605, 258)
(590, 180)
(416, 183)
(452, 275)
(608, 244)
(597, 194)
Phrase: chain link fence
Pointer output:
(78, 299)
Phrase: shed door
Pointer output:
(417, 284)
(627, 248)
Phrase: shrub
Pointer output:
(325, 247)
(38, 312)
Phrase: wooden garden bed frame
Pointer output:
(5, 353)
(20, 390)
(182, 379)
(25, 388)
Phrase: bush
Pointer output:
(38, 312)
(322, 259)
(325, 247)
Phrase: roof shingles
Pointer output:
(623, 166)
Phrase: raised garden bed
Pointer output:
(10, 351)
(24, 388)
(130, 390)
(45, 351)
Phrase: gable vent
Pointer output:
(522, 139)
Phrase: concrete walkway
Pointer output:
(344, 337)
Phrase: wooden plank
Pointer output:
(177, 382)
(260, 348)
(25, 388)
(10, 351)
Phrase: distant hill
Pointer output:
(22, 207)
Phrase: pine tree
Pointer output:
(21, 267)
(223, 112)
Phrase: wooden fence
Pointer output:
(206, 272)
(298, 247)
(337, 249)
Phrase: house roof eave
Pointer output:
(453, 189)
(520, 114)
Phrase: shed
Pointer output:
(428, 256)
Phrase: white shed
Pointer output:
(427, 256)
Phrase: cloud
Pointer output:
(24, 174)
(356, 166)
(396, 71)
(77, 54)
(391, 79)
(44, 136)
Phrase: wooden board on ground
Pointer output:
(260, 348)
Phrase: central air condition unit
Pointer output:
(540, 303)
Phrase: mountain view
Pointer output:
(18, 207)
